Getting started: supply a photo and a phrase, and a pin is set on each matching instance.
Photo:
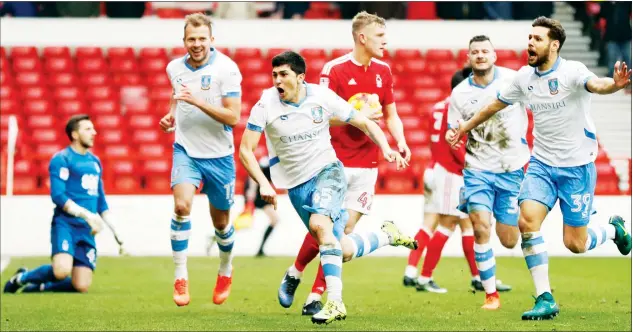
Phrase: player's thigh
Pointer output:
(218, 176)
(477, 194)
(323, 195)
(447, 221)
(576, 186)
(465, 224)
(507, 188)
(183, 171)
(538, 186)
(361, 188)
(62, 248)
(85, 252)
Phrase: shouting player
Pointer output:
(204, 109)
(442, 186)
(495, 156)
(562, 168)
(80, 204)
(354, 74)
(295, 117)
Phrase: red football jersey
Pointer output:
(442, 153)
(347, 77)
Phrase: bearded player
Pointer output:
(356, 74)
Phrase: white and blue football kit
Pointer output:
(203, 148)
(496, 151)
(565, 145)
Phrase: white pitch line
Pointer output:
(3, 264)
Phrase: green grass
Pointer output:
(134, 293)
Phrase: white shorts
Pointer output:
(361, 187)
(441, 191)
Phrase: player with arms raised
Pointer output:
(354, 75)
(205, 107)
(295, 117)
(80, 204)
(562, 168)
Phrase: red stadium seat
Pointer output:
(5, 78)
(416, 136)
(423, 81)
(25, 185)
(405, 109)
(177, 52)
(436, 55)
(313, 53)
(4, 119)
(161, 93)
(271, 52)
(3, 52)
(258, 81)
(315, 65)
(24, 52)
(224, 50)
(154, 65)
(95, 79)
(9, 92)
(157, 79)
(104, 107)
(246, 53)
(124, 79)
(101, 92)
(46, 135)
(152, 52)
(440, 69)
(5, 66)
(26, 64)
(123, 65)
(29, 78)
(35, 92)
(107, 122)
(62, 79)
(88, 52)
(125, 184)
(143, 121)
(120, 52)
(507, 55)
(112, 136)
(146, 136)
(116, 150)
(35, 106)
(254, 65)
(56, 52)
(67, 93)
(170, 13)
(152, 151)
(91, 65)
(58, 64)
(139, 108)
(406, 54)
(411, 66)
(512, 64)
(397, 183)
(68, 108)
(24, 167)
(428, 95)
(41, 121)
(156, 166)
(339, 52)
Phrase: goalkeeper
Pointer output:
(80, 210)
(252, 201)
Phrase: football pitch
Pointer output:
(134, 293)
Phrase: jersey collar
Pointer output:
(351, 57)
(471, 81)
(210, 61)
(551, 70)
(308, 92)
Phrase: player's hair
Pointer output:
(479, 38)
(556, 30)
(197, 20)
(364, 19)
(294, 60)
(73, 124)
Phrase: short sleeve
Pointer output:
(328, 78)
(337, 106)
(231, 86)
(580, 75)
(512, 92)
(257, 119)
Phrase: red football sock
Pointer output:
(468, 241)
(414, 256)
(433, 254)
(319, 282)
(309, 250)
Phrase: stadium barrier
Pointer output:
(143, 224)
(153, 32)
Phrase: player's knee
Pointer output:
(509, 240)
(574, 245)
(81, 286)
(525, 224)
(481, 230)
(61, 271)
(182, 207)
(349, 229)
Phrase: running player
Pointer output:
(495, 156)
(205, 107)
(354, 74)
(295, 117)
(562, 168)
(80, 204)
